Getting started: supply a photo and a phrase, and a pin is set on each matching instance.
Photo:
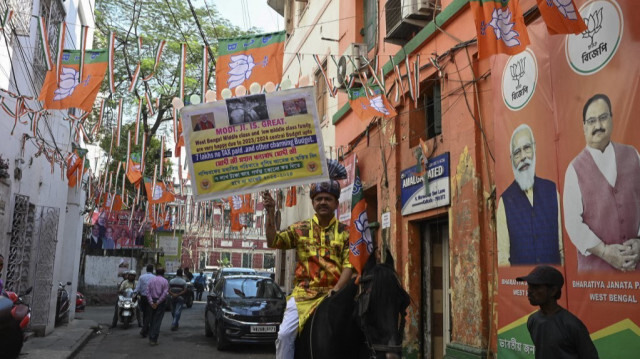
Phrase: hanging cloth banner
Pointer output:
(44, 39)
(500, 27)
(159, 50)
(324, 75)
(134, 78)
(83, 49)
(62, 31)
(6, 17)
(111, 50)
(96, 128)
(182, 68)
(561, 17)
(69, 92)
(205, 71)
(242, 61)
(134, 173)
(137, 127)
(366, 107)
(119, 123)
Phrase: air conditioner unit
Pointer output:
(353, 59)
(405, 18)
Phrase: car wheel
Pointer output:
(207, 329)
(222, 341)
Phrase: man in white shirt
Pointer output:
(602, 195)
(143, 290)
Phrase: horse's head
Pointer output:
(381, 309)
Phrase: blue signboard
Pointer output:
(414, 198)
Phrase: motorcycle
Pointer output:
(62, 304)
(127, 307)
(20, 310)
(81, 303)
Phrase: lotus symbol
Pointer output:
(362, 226)
(517, 71)
(157, 192)
(241, 67)
(236, 202)
(503, 27)
(69, 79)
(565, 7)
(377, 104)
(594, 24)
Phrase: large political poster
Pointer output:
(116, 230)
(568, 176)
(255, 142)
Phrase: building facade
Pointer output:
(40, 214)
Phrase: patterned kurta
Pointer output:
(322, 254)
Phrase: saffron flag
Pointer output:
(373, 104)
(500, 27)
(292, 197)
(243, 61)
(242, 203)
(111, 202)
(159, 193)
(73, 176)
(69, 91)
(360, 241)
(74, 160)
(561, 17)
(134, 173)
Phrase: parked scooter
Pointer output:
(20, 310)
(62, 304)
(81, 303)
(127, 307)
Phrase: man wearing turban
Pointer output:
(323, 267)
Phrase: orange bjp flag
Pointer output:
(292, 197)
(245, 60)
(500, 27)
(561, 17)
(134, 174)
(360, 240)
(159, 194)
(70, 90)
(372, 104)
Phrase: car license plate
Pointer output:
(263, 329)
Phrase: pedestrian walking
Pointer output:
(143, 289)
(157, 292)
(556, 333)
(177, 289)
(200, 283)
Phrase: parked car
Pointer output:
(244, 309)
(189, 296)
(223, 272)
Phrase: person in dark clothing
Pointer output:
(157, 292)
(145, 308)
(556, 333)
(200, 283)
(188, 275)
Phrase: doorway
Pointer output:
(436, 293)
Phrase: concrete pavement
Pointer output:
(65, 341)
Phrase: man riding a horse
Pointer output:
(323, 267)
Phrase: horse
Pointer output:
(364, 320)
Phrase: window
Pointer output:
(269, 261)
(225, 259)
(433, 110)
(247, 259)
(321, 94)
(370, 23)
(426, 121)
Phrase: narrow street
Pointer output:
(188, 342)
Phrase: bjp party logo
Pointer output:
(591, 50)
(519, 79)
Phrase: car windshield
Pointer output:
(259, 288)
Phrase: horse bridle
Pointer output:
(374, 348)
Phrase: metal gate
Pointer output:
(32, 252)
